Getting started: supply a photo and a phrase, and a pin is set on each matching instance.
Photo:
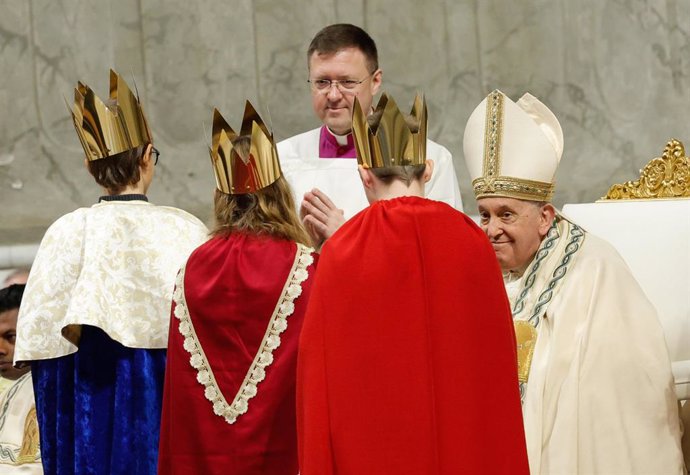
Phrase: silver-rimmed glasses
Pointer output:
(343, 85)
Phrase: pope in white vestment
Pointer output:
(595, 374)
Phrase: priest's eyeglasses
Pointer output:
(156, 153)
(343, 85)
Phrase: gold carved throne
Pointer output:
(665, 177)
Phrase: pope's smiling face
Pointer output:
(333, 105)
(515, 229)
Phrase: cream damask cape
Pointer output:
(112, 266)
(599, 398)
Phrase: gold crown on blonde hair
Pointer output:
(111, 127)
(389, 141)
(238, 170)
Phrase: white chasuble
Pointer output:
(599, 398)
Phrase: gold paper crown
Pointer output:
(116, 126)
(390, 141)
(236, 171)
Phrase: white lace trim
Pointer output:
(264, 356)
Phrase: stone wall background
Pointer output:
(615, 72)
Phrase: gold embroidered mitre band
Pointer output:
(241, 169)
(512, 149)
(111, 127)
(390, 141)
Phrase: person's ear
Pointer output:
(146, 159)
(376, 81)
(428, 171)
(366, 176)
(547, 213)
(86, 163)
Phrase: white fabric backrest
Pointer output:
(653, 236)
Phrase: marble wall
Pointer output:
(615, 72)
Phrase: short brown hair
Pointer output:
(405, 173)
(334, 38)
(118, 171)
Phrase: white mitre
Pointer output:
(512, 149)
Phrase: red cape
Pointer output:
(231, 287)
(407, 360)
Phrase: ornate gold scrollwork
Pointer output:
(664, 177)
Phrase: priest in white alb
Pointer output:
(343, 65)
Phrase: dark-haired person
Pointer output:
(229, 404)
(407, 359)
(343, 63)
(95, 316)
(19, 444)
(16, 276)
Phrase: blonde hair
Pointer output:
(268, 211)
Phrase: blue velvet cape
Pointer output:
(99, 409)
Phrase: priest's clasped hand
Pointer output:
(320, 216)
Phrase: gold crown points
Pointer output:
(111, 127)
(240, 169)
(390, 141)
(667, 176)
